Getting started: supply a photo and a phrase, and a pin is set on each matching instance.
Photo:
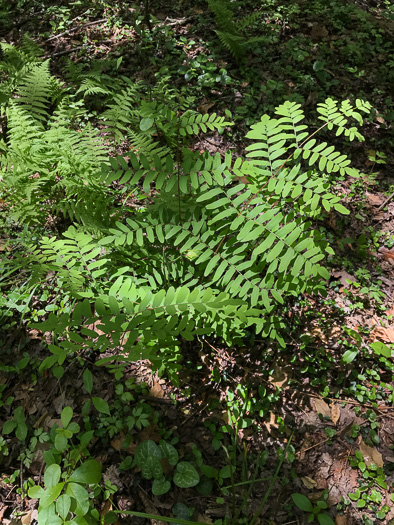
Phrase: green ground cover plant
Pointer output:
(222, 253)
(126, 238)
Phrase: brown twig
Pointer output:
(385, 202)
(95, 22)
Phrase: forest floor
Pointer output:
(324, 396)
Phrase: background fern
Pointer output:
(232, 30)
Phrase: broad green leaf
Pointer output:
(52, 475)
(50, 494)
(325, 519)
(302, 502)
(341, 209)
(381, 349)
(21, 431)
(349, 356)
(186, 475)
(47, 516)
(89, 472)
(9, 426)
(63, 505)
(35, 492)
(146, 123)
(61, 442)
(66, 416)
(101, 405)
(160, 486)
(147, 457)
(169, 452)
(88, 380)
(81, 497)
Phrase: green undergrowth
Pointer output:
(123, 243)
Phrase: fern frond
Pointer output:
(31, 50)
(90, 86)
(248, 20)
(33, 91)
(234, 43)
(224, 15)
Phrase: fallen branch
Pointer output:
(95, 22)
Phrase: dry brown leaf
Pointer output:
(340, 520)
(317, 332)
(308, 482)
(322, 407)
(318, 32)
(335, 331)
(382, 333)
(271, 423)
(315, 496)
(343, 277)
(118, 442)
(204, 108)
(149, 433)
(335, 413)
(204, 519)
(4, 246)
(371, 455)
(26, 518)
(280, 376)
(156, 391)
(3, 508)
(374, 200)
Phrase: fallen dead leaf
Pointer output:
(118, 442)
(3, 508)
(318, 32)
(335, 331)
(271, 423)
(204, 519)
(374, 200)
(315, 496)
(335, 414)
(59, 402)
(322, 408)
(280, 376)
(371, 454)
(204, 108)
(343, 277)
(340, 520)
(308, 482)
(382, 333)
(26, 518)
(156, 391)
(317, 332)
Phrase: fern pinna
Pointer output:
(223, 260)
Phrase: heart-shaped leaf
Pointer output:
(186, 475)
(160, 486)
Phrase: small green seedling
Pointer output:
(314, 510)
(18, 424)
(149, 457)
